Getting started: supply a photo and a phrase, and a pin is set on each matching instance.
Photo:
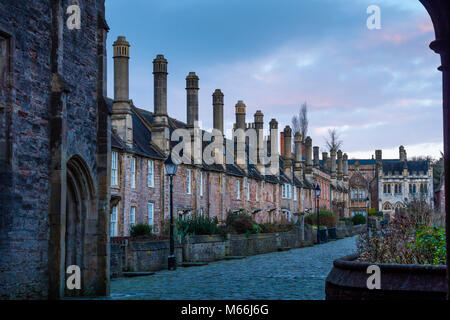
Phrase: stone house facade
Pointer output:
(140, 144)
(54, 150)
(389, 183)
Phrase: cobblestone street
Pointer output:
(292, 275)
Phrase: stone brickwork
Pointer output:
(54, 141)
(204, 248)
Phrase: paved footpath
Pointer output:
(291, 275)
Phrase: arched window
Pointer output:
(387, 206)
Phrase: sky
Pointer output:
(379, 88)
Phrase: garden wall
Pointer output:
(204, 248)
(144, 256)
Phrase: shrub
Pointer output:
(198, 225)
(139, 230)
(327, 219)
(240, 223)
(374, 213)
(430, 245)
(347, 221)
(275, 228)
(358, 219)
(408, 239)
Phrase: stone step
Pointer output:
(193, 264)
(284, 248)
(137, 274)
(234, 257)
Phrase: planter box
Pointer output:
(348, 281)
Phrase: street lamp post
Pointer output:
(171, 170)
(317, 191)
(367, 215)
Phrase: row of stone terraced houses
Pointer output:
(140, 144)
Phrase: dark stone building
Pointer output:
(54, 143)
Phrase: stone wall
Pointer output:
(117, 258)
(50, 111)
(143, 256)
(204, 248)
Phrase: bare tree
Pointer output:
(300, 122)
(332, 141)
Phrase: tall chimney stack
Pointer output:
(288, 150)
(298, 168)
(325, 161)
(240, 115)
(308, 147)
(378, 157)
(218, 103)
(402, 152)
(192, 99)
(121, 119)
(345, 167)
(259, 127)
(121, 70)
(316, 158)
(340, 173)
(333, 163)
(160, 129)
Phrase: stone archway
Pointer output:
(439, 11)
(80, 237)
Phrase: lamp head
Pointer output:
(171, 168)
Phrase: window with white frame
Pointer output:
(201, 183)
(224, 185)
(150, 174)
(114, 168)
(113, 222)
(248, 191)
(295, 193)
(238, 190)
(132, 216)
(151, 213)
(283, 191)
(201, 212)
(133, 172)
(257, 191)
(188, 177)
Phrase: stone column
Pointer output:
(439, 11)
(192, 99)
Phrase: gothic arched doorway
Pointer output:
(80, 236)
